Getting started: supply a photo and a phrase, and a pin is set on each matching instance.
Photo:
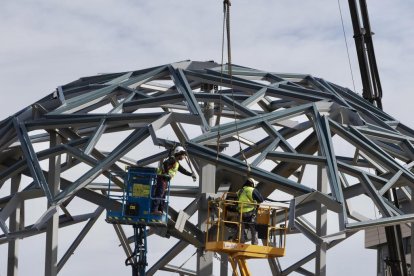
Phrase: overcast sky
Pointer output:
(45, 44)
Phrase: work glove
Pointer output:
(194, 177)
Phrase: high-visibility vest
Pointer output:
(169, 166)
(246, 196)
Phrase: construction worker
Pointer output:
(165, 173)
(247, 195)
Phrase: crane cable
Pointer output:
(221, 85)
(226, 24)
(346, 45)
(225, 19)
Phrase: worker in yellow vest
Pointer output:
(167, 170)
(247, 195)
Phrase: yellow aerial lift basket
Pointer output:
(225, 230)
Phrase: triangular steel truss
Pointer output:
(304, 139)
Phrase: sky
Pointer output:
(47, 43)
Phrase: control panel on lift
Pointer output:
(136, 198)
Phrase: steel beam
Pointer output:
(265, 153)
(123, 239)
(235, 165)
(31, 158)
(387, 221)
(183, 87)
(307, 232)
(91, 120)
(21, 165)
(79, 238)
(192, 234)
(180, 92)
(31, 230)
(296, 158)
(285, 169)
(179, 270)
(243, 84)
(174, 251)
(250, 123)
(153, 101)
(132, 140)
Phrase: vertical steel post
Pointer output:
(14, 225)
(52, 227)
(207, 185)
(321, 223)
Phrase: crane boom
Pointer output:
(371, 84)
(372, 91)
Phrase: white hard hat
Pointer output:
(251, 182)
(179, 150)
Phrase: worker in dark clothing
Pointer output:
(165, 173)
(246, 196)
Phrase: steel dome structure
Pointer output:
(304, 139)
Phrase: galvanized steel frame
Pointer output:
(144, 103)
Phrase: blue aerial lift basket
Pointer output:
(136, 199)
